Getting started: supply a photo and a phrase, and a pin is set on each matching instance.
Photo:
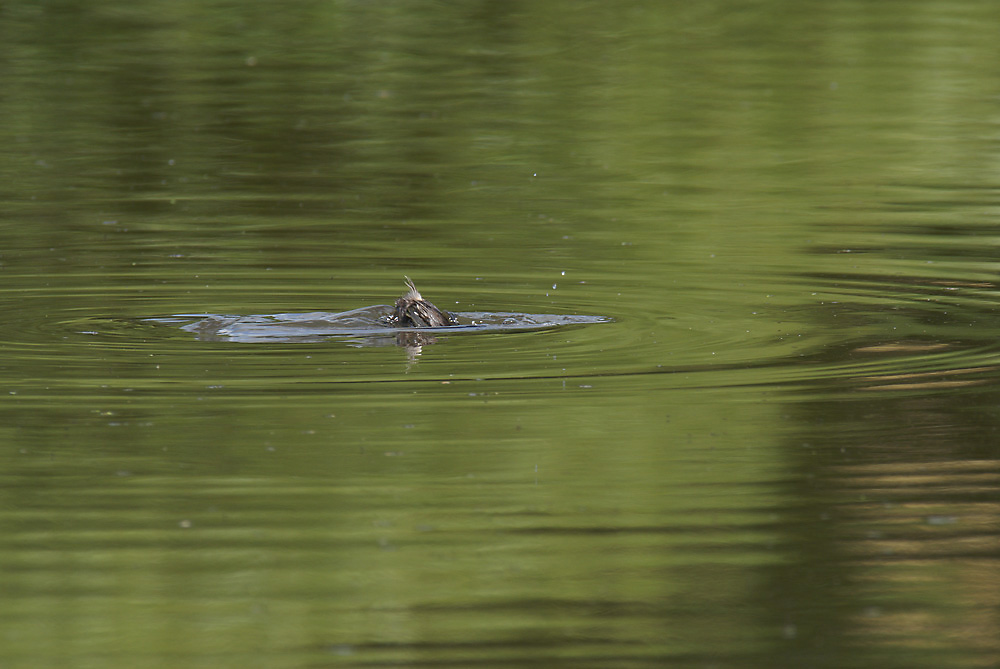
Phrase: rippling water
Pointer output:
(749, 421)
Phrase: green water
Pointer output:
(782, 452)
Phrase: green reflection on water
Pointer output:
(788, 210)
(397, 519)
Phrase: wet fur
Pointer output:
(412, 310)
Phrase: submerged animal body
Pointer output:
(410, 323)
(412, 310)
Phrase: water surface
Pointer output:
(778, 450)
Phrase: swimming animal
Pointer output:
(412, 310)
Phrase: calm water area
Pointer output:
(780, 447)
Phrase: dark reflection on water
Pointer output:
(897, 500)
(897, 482)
